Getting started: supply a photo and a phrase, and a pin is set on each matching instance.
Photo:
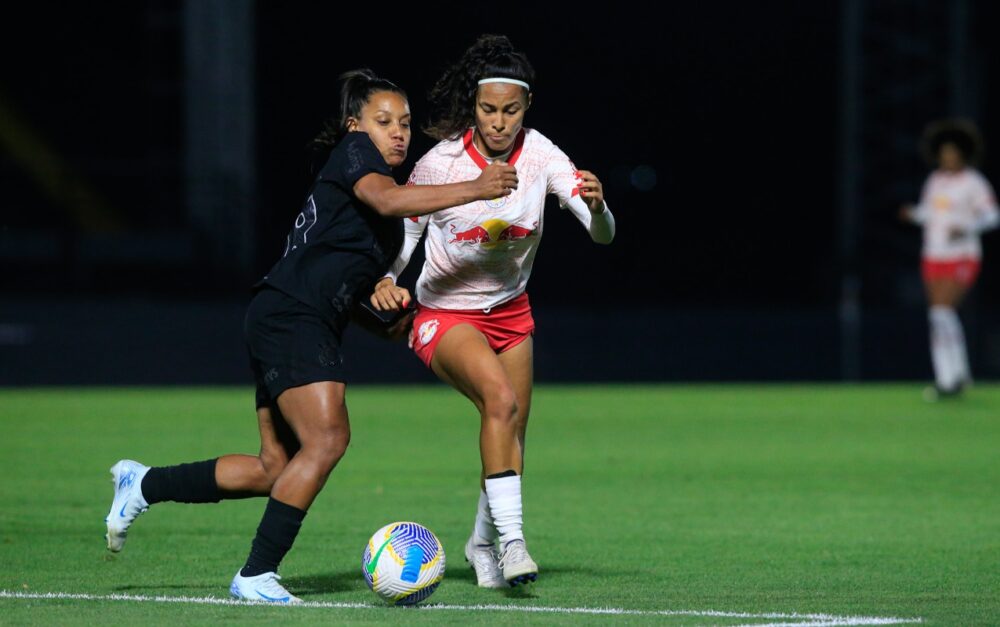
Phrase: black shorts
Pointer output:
(290, 345)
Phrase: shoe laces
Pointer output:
(269, 584)
(513, 552)
(484, 557)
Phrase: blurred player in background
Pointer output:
(343, 241)
(473, 325)
(956, 205)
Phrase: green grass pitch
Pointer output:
(847, 501)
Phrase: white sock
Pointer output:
(961, 356)
(943, 354)
(484, 531)
(504, 495)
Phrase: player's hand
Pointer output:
(906, 214)
(389, 297)
(497, 179)
(591, 190)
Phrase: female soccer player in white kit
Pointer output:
(473, 325)
(957, 204)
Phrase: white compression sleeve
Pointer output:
(412, 232)
(601, 226)
(919, 214)
(989, 220)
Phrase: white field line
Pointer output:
(836, 621)
(799, 620)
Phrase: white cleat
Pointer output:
(263, 588)
(516, 564)
(129, 502)
(483, 560)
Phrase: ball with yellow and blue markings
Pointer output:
(403, 563)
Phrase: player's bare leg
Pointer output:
(464, 360)
(480, 549)
(518, 363)
(317, 415)
(249, 475)
(948, 351)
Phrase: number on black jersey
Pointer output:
(303, 222)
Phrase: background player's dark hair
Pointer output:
(960, 132)
(452, 100)
(357, 86)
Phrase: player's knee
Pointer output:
(500, 404)
(328, 446)
(340, 441)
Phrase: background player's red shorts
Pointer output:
(505, 326)
(964, 271)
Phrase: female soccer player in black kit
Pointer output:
(345, 238)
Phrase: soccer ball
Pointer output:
(403, 563)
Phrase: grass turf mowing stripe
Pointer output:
(803, 620)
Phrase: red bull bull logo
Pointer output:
(475, 235)
(514, 232)
(491, 233)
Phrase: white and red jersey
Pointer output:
(951, 201)
(479, 255)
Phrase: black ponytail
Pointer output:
(356, 89)
(452, 100)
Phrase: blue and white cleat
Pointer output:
(128, 503)
(263, 588)
(517, 565)
(483, 560)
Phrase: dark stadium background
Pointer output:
(754, 155)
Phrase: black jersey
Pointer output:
(339, 246)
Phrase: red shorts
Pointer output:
(505, 326)
(964, 271)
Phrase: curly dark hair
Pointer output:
(959, 132)
(452, 100)
(356, 88)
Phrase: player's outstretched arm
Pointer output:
(381, 193)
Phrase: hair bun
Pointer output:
(494, 44)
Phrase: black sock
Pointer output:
(184, 483)
(501, 475)
(275, 535)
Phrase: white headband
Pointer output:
(512, 81)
